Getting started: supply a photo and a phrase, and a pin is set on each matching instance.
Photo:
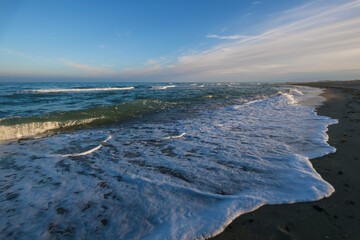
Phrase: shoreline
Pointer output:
(335, 217)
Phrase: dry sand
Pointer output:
(336, 217)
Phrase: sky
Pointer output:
(179, 40)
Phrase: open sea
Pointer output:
(153, 160)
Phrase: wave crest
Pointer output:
(78, 90)
(24, 127)
(162, 87)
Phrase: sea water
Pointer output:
(153, 161)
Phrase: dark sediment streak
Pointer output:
(336, 217)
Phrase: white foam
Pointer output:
(25, 130)
(233, 159)
(308, 96)
(162, 87)
(198, 85)
(174, 137)
(78, 90)
(89, 151)
(296, 92)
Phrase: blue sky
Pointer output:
(206, 40)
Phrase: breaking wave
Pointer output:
(78, 90)
(162, 87)
(23, 127)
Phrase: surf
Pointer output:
(78, 90)
(24, 127)
(208, 159)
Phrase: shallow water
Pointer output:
(158, 162)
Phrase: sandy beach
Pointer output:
(336, 217)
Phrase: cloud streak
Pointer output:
(104, 70)
(23, 55)
(158, 62)
(232, 37)
(92, 71)
(318, 42)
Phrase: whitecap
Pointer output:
(174, 137)
(78, 90)
(162, 87)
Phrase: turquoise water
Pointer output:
(152, 161)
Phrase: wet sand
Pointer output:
(336, 217)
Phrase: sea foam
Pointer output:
(162, 87)
(89, 151)
(140, 185)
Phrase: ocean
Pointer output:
(153, 160)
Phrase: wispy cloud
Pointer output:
(161, 61)
(231, 37)
(107, 65)
(23, 55)
(318, 41)
(93, 71)
(119, 34)
(256, 2)
(103, 70)
(150, 62)
(101, 46)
